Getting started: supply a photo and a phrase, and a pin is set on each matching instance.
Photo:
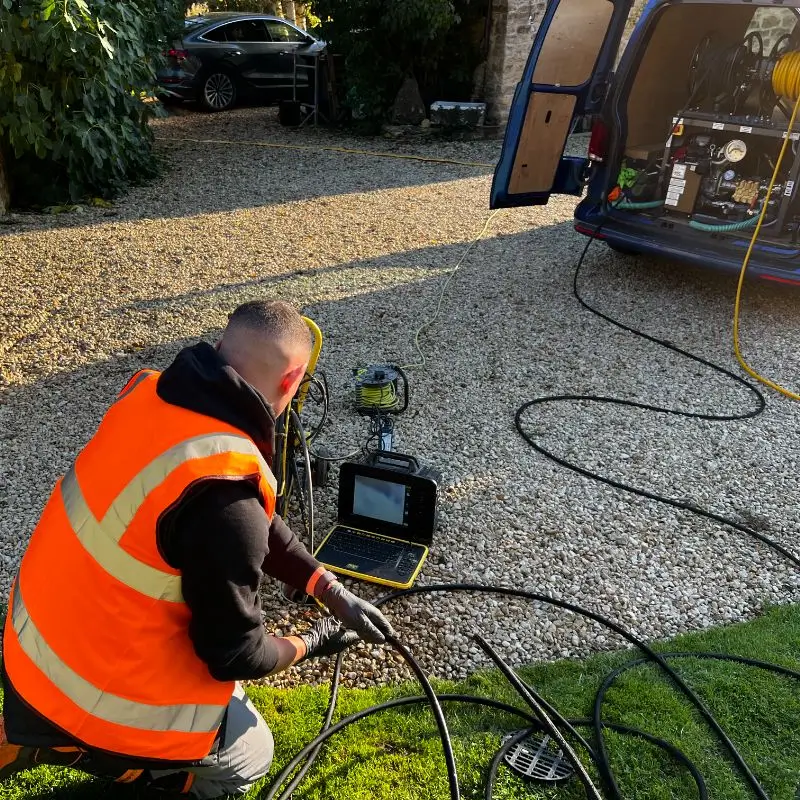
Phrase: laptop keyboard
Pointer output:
(370, 554)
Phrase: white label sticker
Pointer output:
(679, 171)
(789, 189)
(670, 202)
(676, 183)
(718, 126)
(745, 129)
(674, 195)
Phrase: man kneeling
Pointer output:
(136, 613)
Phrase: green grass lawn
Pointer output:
(397, 755)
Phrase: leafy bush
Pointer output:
(197, 9)
(257, 6)
(74, 80)
(383, 43)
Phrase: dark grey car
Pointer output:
(220, 58)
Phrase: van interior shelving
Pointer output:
(703, 105)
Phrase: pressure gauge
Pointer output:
(735, 151)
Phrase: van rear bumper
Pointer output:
(644, 234)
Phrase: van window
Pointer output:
(775, 26)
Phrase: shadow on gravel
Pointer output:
(233, 174)
(510, 320)
(350, 275)
(43, 424)
(504, 341)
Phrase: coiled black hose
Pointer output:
(599, 754)
(546, 713)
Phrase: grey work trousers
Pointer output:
(243, 757)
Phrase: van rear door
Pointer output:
(566, 77)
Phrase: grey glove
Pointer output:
(327, 637)
(356, 614)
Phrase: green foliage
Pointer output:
(257, 6)
(74, 84)
(436, 41)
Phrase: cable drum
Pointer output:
(742, 77)
(786, 76)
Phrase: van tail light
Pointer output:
(598, 143)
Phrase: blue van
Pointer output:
(688, 120)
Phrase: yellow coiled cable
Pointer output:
(384, 398)
(785, 83)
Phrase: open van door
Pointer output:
(566, 77)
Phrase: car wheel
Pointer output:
(625, 251)
(218, 92)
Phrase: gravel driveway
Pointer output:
(363, 245)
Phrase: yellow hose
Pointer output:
(785, 83)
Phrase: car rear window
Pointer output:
(216, 34)
(191, 24)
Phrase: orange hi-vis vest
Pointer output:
(97, 635)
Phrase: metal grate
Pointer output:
(539, 758)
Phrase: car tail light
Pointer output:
(598, 143)
(178, 55)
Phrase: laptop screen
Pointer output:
(382, 500)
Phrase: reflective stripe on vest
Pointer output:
(142, 716)
(134, 382)
(101, 537)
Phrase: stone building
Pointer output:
(513, 25)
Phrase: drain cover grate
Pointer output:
(539, 758)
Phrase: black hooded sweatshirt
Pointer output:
(218, 536)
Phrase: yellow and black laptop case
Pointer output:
(387, 513)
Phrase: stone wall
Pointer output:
(513, 26)
(772, 23)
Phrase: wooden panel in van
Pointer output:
(661, 86)
(567, 58)
(548, 121)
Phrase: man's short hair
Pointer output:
(273, 319)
